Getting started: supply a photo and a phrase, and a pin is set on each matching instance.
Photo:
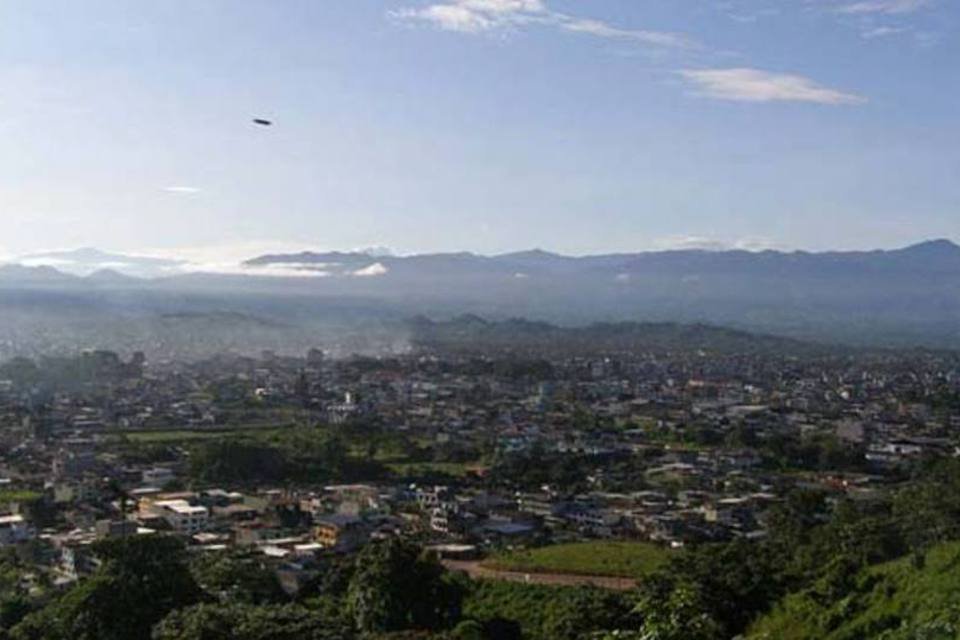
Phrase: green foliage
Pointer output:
(13, 609)
(396, 587)
(294, 455)
(538, 467)
(598, 558)
(469, 630)
(19, 495)
(545, 613)
(236, 461)
(683, 615)
(246, 622)
(928, 509)
(140, 581)
(237, 578)
(894, 601)
(710, 592)
(817, 453)
(15, 601)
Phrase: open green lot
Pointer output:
(185, 435)
(455, 469)
(601, 558)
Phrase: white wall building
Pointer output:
(182, 516)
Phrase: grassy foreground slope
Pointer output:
(901, 600)
(602, 558)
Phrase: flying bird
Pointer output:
(262, 122)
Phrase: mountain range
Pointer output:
(908, 296)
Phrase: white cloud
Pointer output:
(264, 271)
(703, 243)
(182, 189)
(689, 243)
(454, 18)
(605, 30)
(883, 32)
(376, 269)
(376, 251)
(478, 16)
(45, 262)
(755, 85)
(746, 11)
(475, 16)
(228, 259)
(866, 15)
(225, 253)
(889, 7)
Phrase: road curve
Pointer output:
(478, 572)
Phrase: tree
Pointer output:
(469, 630)
(235, 461)
(13, 609)
(236, 578)
(246, 622)
(683, 615)
(577, 612)
(141, 579)
(396, 587)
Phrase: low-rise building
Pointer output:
(14, 529)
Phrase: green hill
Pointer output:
(900, 600)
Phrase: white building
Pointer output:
(158, 477)
(182, 516)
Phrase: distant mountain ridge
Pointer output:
(899, 297)
(940, 254)
(934, 253)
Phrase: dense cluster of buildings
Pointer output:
(672, 448)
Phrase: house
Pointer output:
(182, 516)
(14, 529)
(116, 528)
(158, 477)
(340, 532)
(507, 531)
(541, 504)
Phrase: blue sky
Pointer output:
(580, 126)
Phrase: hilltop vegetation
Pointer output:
(913, 597)
(510, 611)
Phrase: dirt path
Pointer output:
(477, 571)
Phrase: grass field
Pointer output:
(616, 559)
(185, 435)
(455, 469)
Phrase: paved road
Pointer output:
(477, 571)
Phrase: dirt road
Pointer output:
(477, 571)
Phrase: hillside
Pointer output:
(473, 334)
(893, 601)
